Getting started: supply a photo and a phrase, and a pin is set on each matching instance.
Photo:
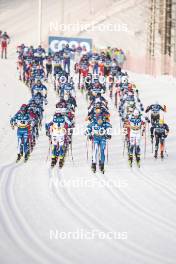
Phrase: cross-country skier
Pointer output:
(136, 124)
(155, 112)
(38, 87)
(98, 132)
(39, 55)
(22, 120)
(57, 131)
(160, 132)
(67, 57)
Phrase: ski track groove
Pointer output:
(20, 223)
(127, 205)
(10, 227)
(76, 209)
(135, 207)
(163, 187)
(143, 211)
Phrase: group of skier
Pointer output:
(99, 128)
(134, 121)
(60, 128)
(133, 116)
(99, 73)
(28, 118)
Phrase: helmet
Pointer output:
(100, 120)
(124, 80)
(66, 96)
(24, 107)
(130, 110)
(161, 121)
(130, 86)
(98, 110)
(136, 112)
(22, 112)
(39, 82)
(38, 95)
(96, 84)
(131, 103)
(96, 80)
(58, 111)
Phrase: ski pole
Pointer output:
(145, 144)
(49, 149)
(124, 143)
(71, 151)
(152, 145)
(87, 151)
(165, 149)
(107, 152)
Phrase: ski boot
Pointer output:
(26, 156)
(130, 160)
(162, 155)
(53, 162)
(138, 160)
(93, 167)
(18, 157)
(156, 154)
(61, 162)
(102, 168)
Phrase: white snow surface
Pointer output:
(142, 203)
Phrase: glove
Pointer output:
(90, 137)
(12, 126)
(109, 136)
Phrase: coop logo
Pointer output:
(57, 43)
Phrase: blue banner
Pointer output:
(57, 43)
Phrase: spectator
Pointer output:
(5, 39)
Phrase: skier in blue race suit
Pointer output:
(99, 131)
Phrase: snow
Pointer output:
(140, 202)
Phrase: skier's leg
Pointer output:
(156, 145)
(95, 152)
(68, 65)
(131, 149)
(19, 144)
(26, 144)
(151, 133)
(94, 155)
(102, 151)
(5, 50)
(2, 52)
(137, 147)
(162, 147)
(53, 155)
